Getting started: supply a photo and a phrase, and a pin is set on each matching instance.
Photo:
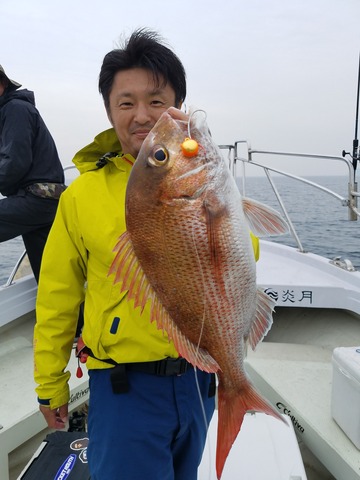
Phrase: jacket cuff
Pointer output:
(57, 401)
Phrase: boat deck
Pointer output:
(20, 418)
(293, 369)
(261, 437)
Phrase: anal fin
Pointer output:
(263, 318)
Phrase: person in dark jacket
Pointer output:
(31, 174)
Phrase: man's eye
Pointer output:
(125, 105)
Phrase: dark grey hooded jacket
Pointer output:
(28, 152)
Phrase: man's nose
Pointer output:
(142, 114)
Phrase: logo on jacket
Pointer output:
(65, 469)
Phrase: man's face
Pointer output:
(135, 105)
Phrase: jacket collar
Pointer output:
(105, 146)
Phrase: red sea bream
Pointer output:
(188, 250)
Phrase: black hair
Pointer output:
(144, 49)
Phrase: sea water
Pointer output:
(10, 252)
(321, 222)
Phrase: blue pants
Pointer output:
(156, 430)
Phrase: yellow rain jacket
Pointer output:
(89, 221)
(76, 260)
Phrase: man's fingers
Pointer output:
(178, 114)
(56, 418)
(63, 413)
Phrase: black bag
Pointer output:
(63, 457)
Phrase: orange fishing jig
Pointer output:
(189, 147)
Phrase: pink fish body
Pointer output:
(188, 250)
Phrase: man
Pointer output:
(31, 175)
(149, 409)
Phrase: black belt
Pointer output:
(166, 367)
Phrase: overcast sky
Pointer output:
(279, 73)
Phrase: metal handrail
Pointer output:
(234, 158)
(350, 201)
(14, 271)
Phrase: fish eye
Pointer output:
(158, 156)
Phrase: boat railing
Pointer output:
(234, 158)
(15, 270)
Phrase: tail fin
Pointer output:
(232, 408)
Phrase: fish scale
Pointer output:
(189, 246)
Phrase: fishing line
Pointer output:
(190, 117)
(189, 146)
(197, 354)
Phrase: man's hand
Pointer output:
(56, 418)
(177, 114)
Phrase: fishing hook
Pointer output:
(189, 146)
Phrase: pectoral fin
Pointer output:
(263, 220)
